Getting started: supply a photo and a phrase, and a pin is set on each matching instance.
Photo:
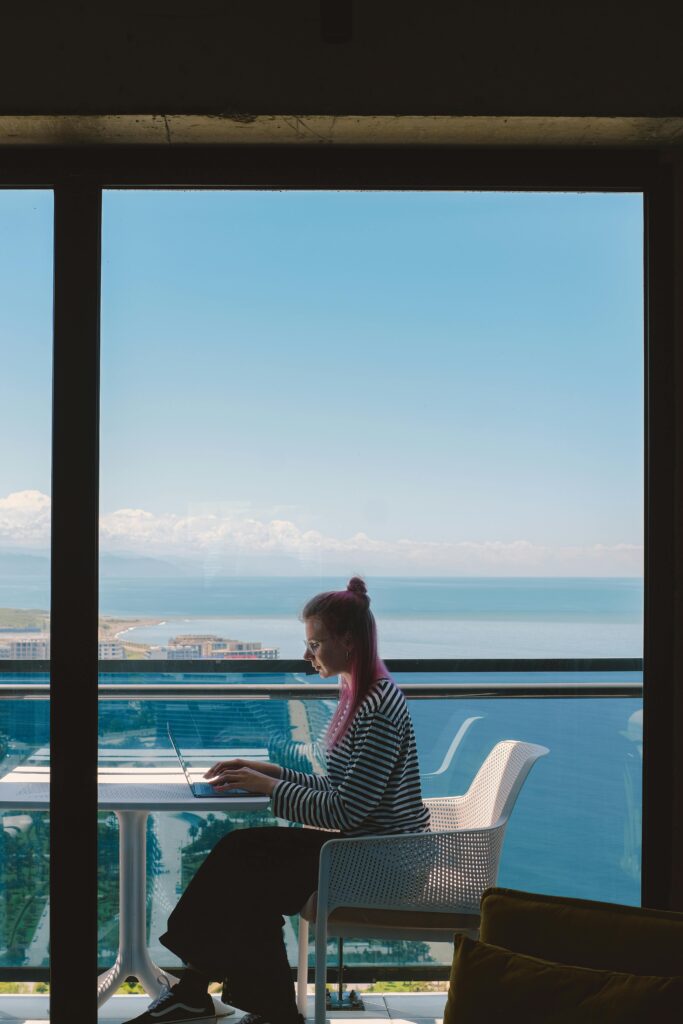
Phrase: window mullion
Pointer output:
(74, 601)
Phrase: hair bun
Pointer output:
(357, 586)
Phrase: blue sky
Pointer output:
(382, 382)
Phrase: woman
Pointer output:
(228, 923)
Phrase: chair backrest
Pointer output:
(493, 791)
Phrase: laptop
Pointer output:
(200, 788)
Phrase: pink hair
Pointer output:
(348, 611)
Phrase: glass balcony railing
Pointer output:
(575, 830)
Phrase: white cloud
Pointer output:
(25, 521)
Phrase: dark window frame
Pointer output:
(77, 174)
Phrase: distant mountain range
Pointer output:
(36, 565)
(20, 563)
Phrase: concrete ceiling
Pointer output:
(316, 130)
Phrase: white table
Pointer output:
(155, 783)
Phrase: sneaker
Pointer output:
(172, 1008)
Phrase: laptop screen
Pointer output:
(194, 773)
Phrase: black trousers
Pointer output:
(228, 922)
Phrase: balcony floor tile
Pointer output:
(409, 1009)
(414, 1006)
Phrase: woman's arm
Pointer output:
(375, 752)
(258, 776)
(219, 770)
(306, 779)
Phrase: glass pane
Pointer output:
(440, 391)
(567, 834)
(25, 838)
(26, 245)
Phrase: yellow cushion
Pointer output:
(605, 936)
(490, 984)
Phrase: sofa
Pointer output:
(556, 960)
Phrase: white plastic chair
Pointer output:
(417, 886)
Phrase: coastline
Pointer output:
(112, 628)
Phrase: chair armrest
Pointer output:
(455, 743)
(445, 871)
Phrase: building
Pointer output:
(190, 647)
(110, 650)
(211, 646)
(175, 652)
(26, 648)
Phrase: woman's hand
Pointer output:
(254, 776)
(237, 775)
(264, 767)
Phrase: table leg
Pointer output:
(133, 959)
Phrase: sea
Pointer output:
(416, 617)
(576, 828)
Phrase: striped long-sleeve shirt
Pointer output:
(373, 784)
